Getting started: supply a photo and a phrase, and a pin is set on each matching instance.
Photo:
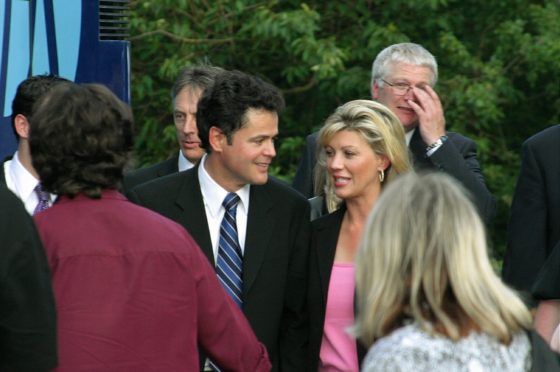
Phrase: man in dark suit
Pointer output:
(188, 88)
(403, 77)
(237, 122)
(534, 225)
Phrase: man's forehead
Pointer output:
(407, 71)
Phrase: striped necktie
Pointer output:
(229, 264)
(43, 198)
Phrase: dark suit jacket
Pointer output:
(534, 225)
(275, 260)
(142, 175)
(27, 309)
(456, 157)
(2, 174)
(324, 237)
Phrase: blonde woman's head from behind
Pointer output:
(423, 257)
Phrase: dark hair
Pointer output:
(195, 78)
(28, 92)
(226, 103)
(80, 138)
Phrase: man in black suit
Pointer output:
(403, 77)
(532, 258)
(534, 225)
(188, 88)
(27, 311)
(238, 122)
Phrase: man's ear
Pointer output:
(375, 91)
(22, 126)
(217, 139)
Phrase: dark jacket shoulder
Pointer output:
(143, 175)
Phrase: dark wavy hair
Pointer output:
(28, 92)
(226, 103)
(80, 138)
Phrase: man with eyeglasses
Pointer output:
(403, 77)
(189, 86)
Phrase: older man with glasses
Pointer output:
(403, 77)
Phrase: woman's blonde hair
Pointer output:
(378, 126)
(423, 257)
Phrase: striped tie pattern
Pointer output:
(229, 264)
(43, 198)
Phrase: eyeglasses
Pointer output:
(400, 88)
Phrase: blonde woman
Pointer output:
(428, 298)
(363, 148)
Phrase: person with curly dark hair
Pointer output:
(133, 290)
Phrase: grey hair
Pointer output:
(410, 53)
(195, 78)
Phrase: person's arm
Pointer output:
(223, 331)
(461, 163)
(527, 246)
(547, 319)
(27, 308)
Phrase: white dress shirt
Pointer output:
(183, 163)
(22, 183)
(213, 196)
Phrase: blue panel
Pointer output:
(68, 23)
(40, 64)
(18, 60)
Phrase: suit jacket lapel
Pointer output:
(260, 225)
(193, 215)
(328, 231)
(418, 149)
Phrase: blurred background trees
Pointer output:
(499, 67)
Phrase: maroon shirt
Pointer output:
(135, 293)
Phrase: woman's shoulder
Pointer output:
(411, 348)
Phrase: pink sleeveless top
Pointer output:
(338, 348)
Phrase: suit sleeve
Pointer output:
(294, 327)
(27, 309)
(526, 249)
(223, 331)
(457, 157)
(303, 180)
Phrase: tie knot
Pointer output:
(42, 195)
(231, 201)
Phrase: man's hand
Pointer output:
(431, 121)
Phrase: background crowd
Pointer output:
(380, 261)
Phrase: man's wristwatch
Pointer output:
(436, 145)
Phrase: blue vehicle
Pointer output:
(85, 41)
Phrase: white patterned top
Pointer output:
(411, 349)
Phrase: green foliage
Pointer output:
(498, 60)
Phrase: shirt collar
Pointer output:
(214, 194)
(23, 180)
(408, 136)
(183, 163)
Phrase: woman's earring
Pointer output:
(381, 175)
